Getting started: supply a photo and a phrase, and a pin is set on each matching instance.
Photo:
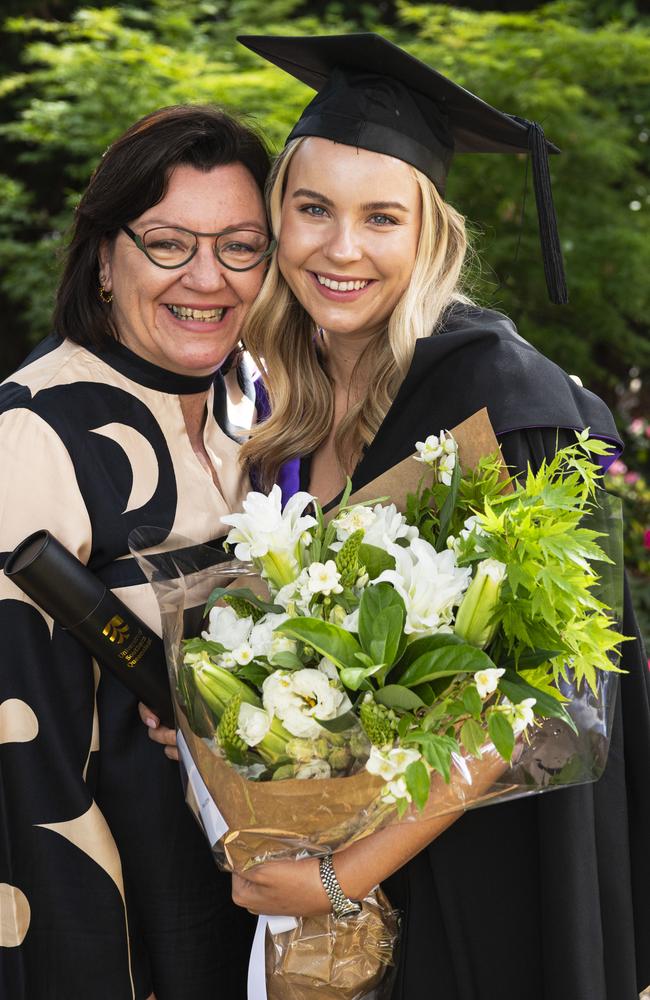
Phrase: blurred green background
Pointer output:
(73, 77)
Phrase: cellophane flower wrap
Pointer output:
(443, 640)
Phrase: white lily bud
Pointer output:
(474, 619)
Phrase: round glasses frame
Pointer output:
(139, 242)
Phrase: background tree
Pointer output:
(580, 68)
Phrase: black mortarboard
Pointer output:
(373, 95)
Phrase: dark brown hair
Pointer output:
(133, 176)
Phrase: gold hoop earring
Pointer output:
(106, 297)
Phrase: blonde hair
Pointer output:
(281, 337)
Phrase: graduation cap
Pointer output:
(373, 95)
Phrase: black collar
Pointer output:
(147, 374)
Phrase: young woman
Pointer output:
(369, 344)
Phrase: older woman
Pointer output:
(124, 418)
(370, 344)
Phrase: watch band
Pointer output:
(342, 905)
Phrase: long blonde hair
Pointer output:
(281, 337)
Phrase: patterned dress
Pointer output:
(107, 888)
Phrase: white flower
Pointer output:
(253, 724)
(446, 466)
(380, 764)
(523, 715)
(440, 450)
(351, 622)
(388, 764)
(264, 641)
(487, 680)
(301, 697)
(429, 582)
(396, 790)
(227, 661)
(324, 578)
(243, 654)
(314, 769)
(225, 627)
(388, 526)
(356, 519)
(401, 757)
(265, 527)
(271, 536)
(497, 571)
(329, 669)
(429, 450)
(277, 693)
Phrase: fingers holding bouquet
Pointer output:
(157, 732)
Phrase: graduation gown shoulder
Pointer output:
(107, 887)
(544, 897)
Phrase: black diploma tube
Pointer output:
(80, 603)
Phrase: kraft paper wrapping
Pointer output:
(475, 439)
(329, 959)
(278, 819)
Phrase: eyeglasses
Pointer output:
(173, 246)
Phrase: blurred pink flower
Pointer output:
(637, 426)
(617, 468)
(646, 539)
(632, 477)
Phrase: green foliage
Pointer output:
(581, 68)
(230, 742)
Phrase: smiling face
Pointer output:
(349, 233)
(186, 320)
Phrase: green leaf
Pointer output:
(254, 673)
(381, 621)
(445, 662)
(418, 783)
(501, 734)
(472, 701)
(448, 507)
(437, 752)
(354, 678)
(340, 724)
(244, 594)
(425, 692)
(528, 660)
(286, 660)
(516, 689)
(396, 696)
(328, 639)
(198, 645)
(427, 644)
(472, 736)
(375, 560)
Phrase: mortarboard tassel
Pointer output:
(548, 231)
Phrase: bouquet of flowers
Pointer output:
(417, 654)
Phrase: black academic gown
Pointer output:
(547, 897)
(108, 889)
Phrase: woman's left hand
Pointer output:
(282, 888)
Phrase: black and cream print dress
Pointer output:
(107, 889)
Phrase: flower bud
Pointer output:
(474, 620)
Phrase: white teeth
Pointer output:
(203, 315)
(341, 286)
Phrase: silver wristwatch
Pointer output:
(342, 906)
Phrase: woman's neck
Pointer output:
(341, 354)
(193, 408)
